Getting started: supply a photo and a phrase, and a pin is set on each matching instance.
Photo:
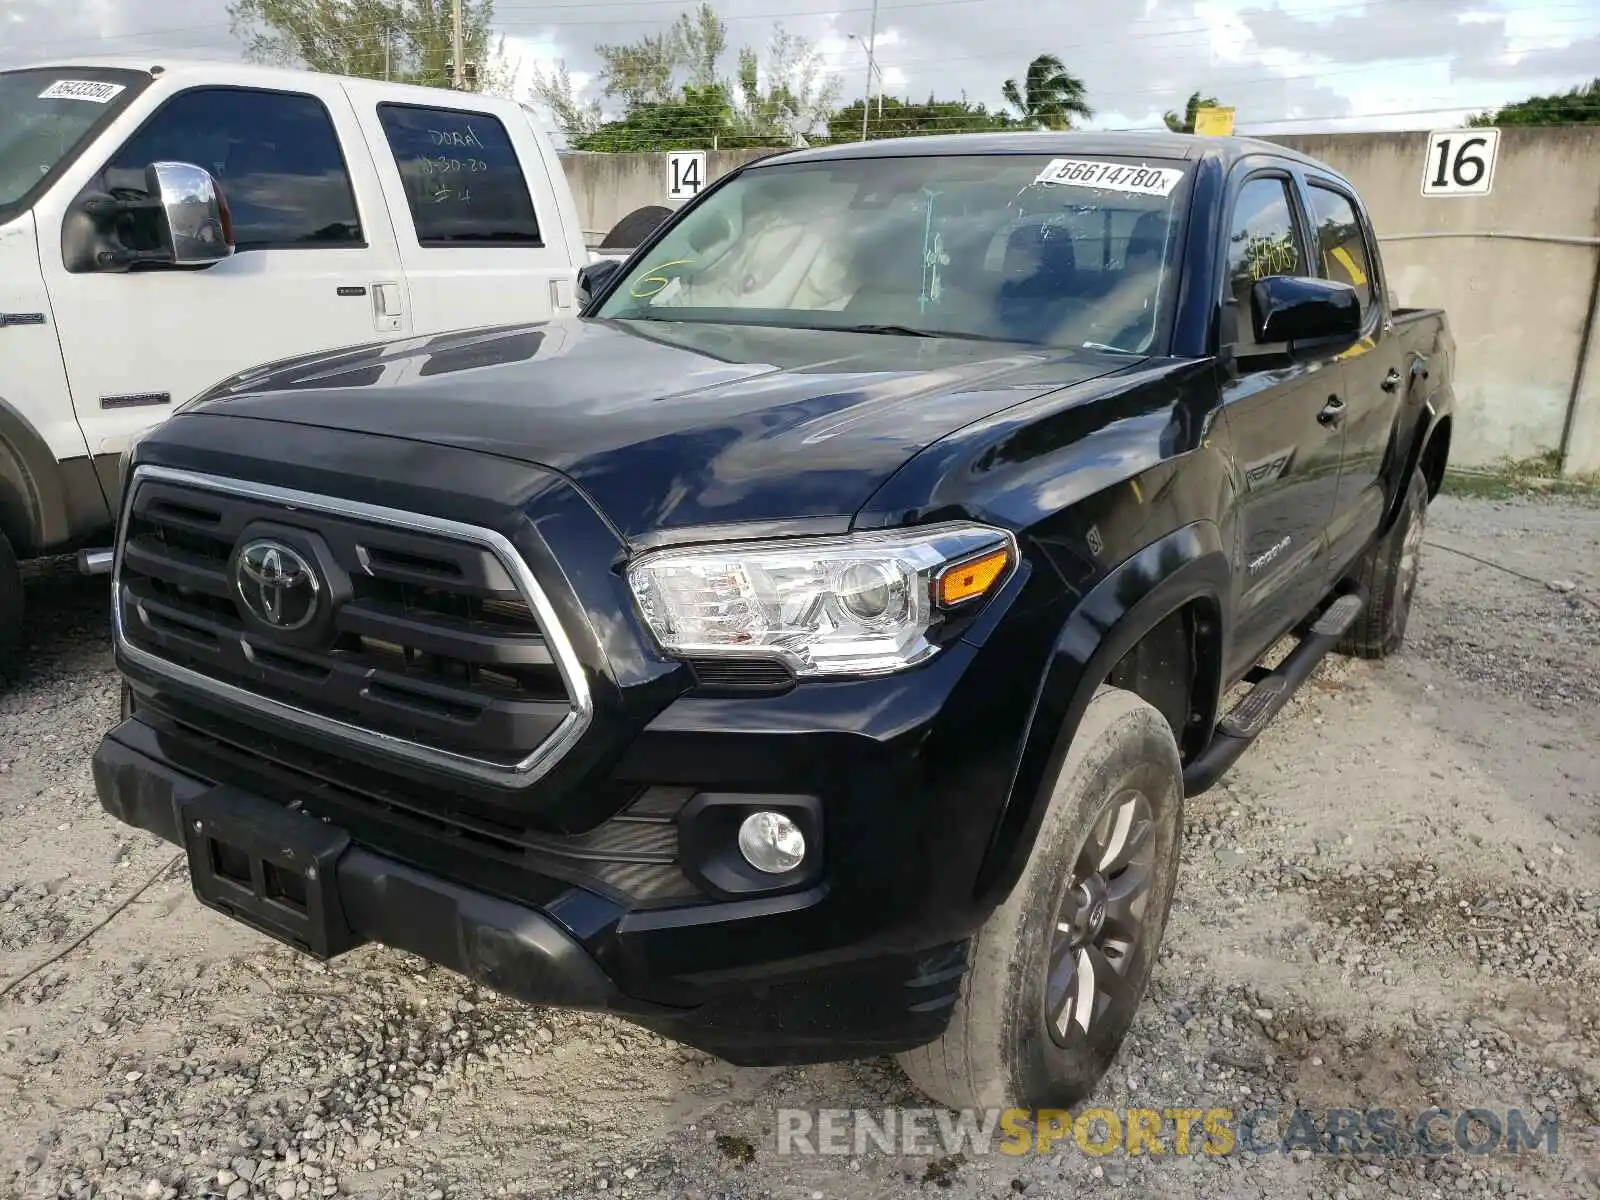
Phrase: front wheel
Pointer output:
(10, 608)
(1389, 572)
(1059, 969)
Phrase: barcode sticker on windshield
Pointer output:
(93, 90)
(1110, 176)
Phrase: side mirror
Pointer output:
(593, 278)
(1288, 308)
(182, 220)
(199, 227)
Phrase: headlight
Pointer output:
(865, 604)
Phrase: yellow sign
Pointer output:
(1213, 122)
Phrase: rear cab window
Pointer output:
(1341, 243)
(463, 181)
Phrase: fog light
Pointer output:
(771, 842)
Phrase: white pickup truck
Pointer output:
(163, 227)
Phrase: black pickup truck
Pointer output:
(807, 652)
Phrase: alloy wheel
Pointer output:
(1096, 934)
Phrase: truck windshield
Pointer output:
(45, 115)
(1058, 250)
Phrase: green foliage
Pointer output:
(675, 97)
(898, 118)
(408, 41)
(1185, 123)
(700, 118)
(1579, 106)
(1050, 96)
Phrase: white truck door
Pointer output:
(485, 237)
(316, 268)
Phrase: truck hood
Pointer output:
(668, 425)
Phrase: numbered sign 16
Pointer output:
(1460, 162)
(686, 174)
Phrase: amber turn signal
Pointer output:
(974, 577)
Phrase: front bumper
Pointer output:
(887, 1003)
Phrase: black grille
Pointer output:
(429, 638)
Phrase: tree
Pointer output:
(1579, 106)
(1185, 123)
(1050, 96)
(899, 118)
(675, 96)
(699, 118)
(797, 94)
(409, 41)
(575, 118)
(645, 71)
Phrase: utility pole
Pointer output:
(458, 58)
(388, 46)
(866, 96)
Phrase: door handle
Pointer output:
(1391, 381)
(388, 307)
(1332, 412)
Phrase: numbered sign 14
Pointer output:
(1460, 162)
(686, 174)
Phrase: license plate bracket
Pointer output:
(272, 868)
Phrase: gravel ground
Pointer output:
(1393, 901)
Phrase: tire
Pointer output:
(1388, 571)
(10, 609)
(1002, 1046)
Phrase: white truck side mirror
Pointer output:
(182, 220)
(199, 228)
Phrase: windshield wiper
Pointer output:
(908, 331)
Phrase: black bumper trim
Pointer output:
(894, 1001)
(501, 945)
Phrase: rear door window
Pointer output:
(1341, 244)
(463, 181)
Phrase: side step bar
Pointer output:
(1271, 692)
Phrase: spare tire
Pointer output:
(635, 227)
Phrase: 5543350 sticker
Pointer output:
(96, 91)
(1110, 176)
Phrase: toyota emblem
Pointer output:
(277, 584)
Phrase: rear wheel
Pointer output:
(10, 609)
(1059, 969)
(1389, 573)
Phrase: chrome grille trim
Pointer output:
(531, 768)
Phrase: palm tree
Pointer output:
(1050, 96)
(1185, 123)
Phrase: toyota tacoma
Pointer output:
(806, 652)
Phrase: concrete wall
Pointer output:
(1517, 307)
(607, 187)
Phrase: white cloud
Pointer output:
(1332, 63)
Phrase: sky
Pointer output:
(1285, 65)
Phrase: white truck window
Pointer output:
(275, 154)
(463, 182)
